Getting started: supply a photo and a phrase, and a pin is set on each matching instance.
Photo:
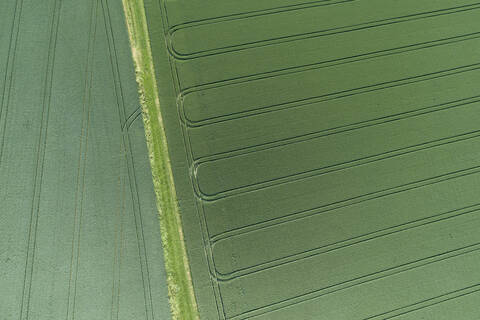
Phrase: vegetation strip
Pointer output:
(180, 289)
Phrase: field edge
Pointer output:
(180, 288)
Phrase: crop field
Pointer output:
(325, 154)
(311, 160)
(79, 232)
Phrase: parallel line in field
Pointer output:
(137, 115)
(39, 165)
(335, 130)
(333, 168)
(427, 303)
(81, 164)
(311, 253)
(210, 261)
(314, 34)
(9, 72)
(325, 97)
(118, 247)
(131, 118)
(318, 293)
(251, 14)
(139, 230)
(347, 202)
(329, 63)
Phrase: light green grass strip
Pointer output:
(180, 290)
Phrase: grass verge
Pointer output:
(180, 290)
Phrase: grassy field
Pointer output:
(180, 289)
(79, 236)
(325, 154)
(311, 160)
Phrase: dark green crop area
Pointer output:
(325, 155)
(79, 228)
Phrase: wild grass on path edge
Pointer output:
(180, 289)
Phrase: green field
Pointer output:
(230, 160)
(325, 155)
(79, 228)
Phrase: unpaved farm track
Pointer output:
(79, 234)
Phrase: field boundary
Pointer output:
(180, 288)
